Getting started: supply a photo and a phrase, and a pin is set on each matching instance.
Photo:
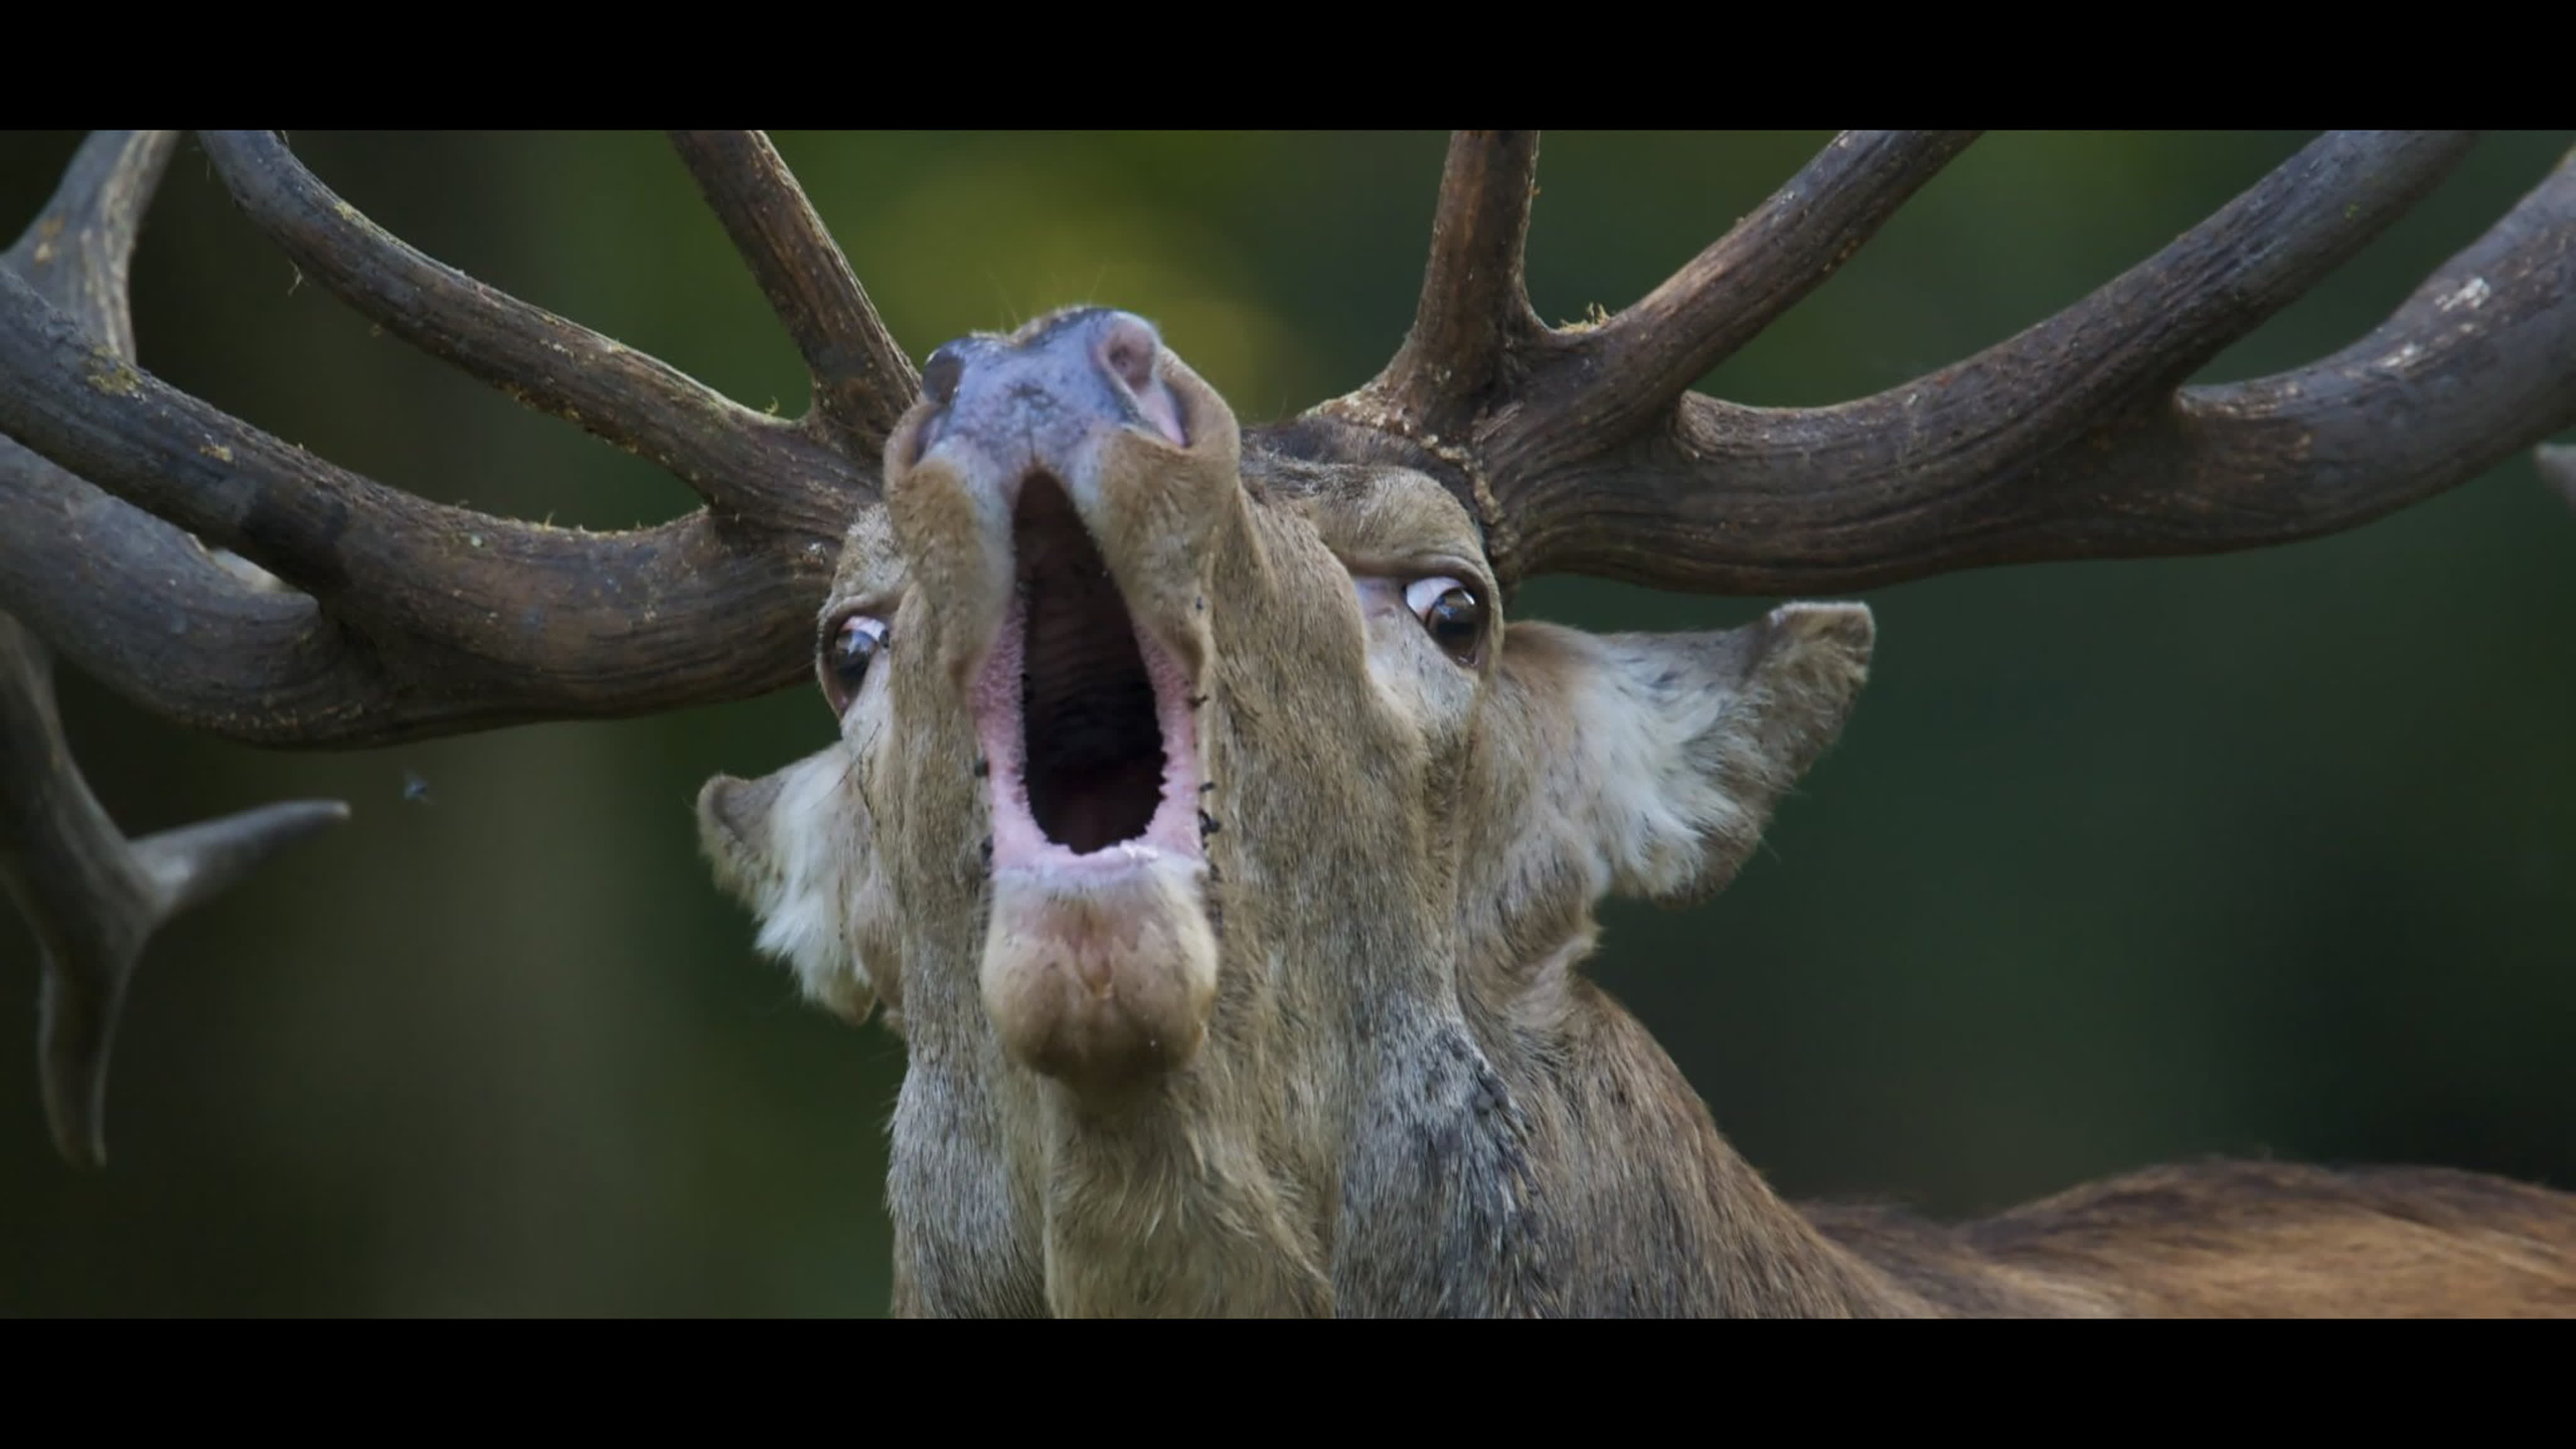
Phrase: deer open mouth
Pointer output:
(1084, 717)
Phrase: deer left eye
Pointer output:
(1451, 612)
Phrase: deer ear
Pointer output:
(1670, 750)
(795, 846)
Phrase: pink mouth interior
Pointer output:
(1084, 718)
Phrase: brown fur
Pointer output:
(2244, 1239)
(1400, 1096)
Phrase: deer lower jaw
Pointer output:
(1099, 964)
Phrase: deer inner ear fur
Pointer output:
(1649, 764)
(797, 848)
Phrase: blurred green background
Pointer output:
(2117, 863)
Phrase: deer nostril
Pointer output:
(1130, 350)
(939, 376)
(1127, 349)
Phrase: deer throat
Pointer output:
(1099, 964)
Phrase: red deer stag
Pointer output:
(1223, 858)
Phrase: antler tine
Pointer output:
(1475, 307)
(728, 454)
(2008, 456)
(79, 249)
(93, 899)
(1478, 355)
(1635, 364)
(862, 380)
(422, 618)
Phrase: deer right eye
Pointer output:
(848, 648)
(1450, 611)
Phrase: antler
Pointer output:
(410, 618)
(93, 898)
(1586, 452)
(400, 618)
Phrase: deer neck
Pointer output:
(1636, 1205)
(1541, 1159)
(1167, 1208)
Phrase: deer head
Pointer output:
(1194, 802)
(1222, 852)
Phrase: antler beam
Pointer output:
(2070, 440)
(413, 618)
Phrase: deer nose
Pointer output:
(1086, 404)
(1037, 398)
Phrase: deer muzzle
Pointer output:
(1060, 493)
